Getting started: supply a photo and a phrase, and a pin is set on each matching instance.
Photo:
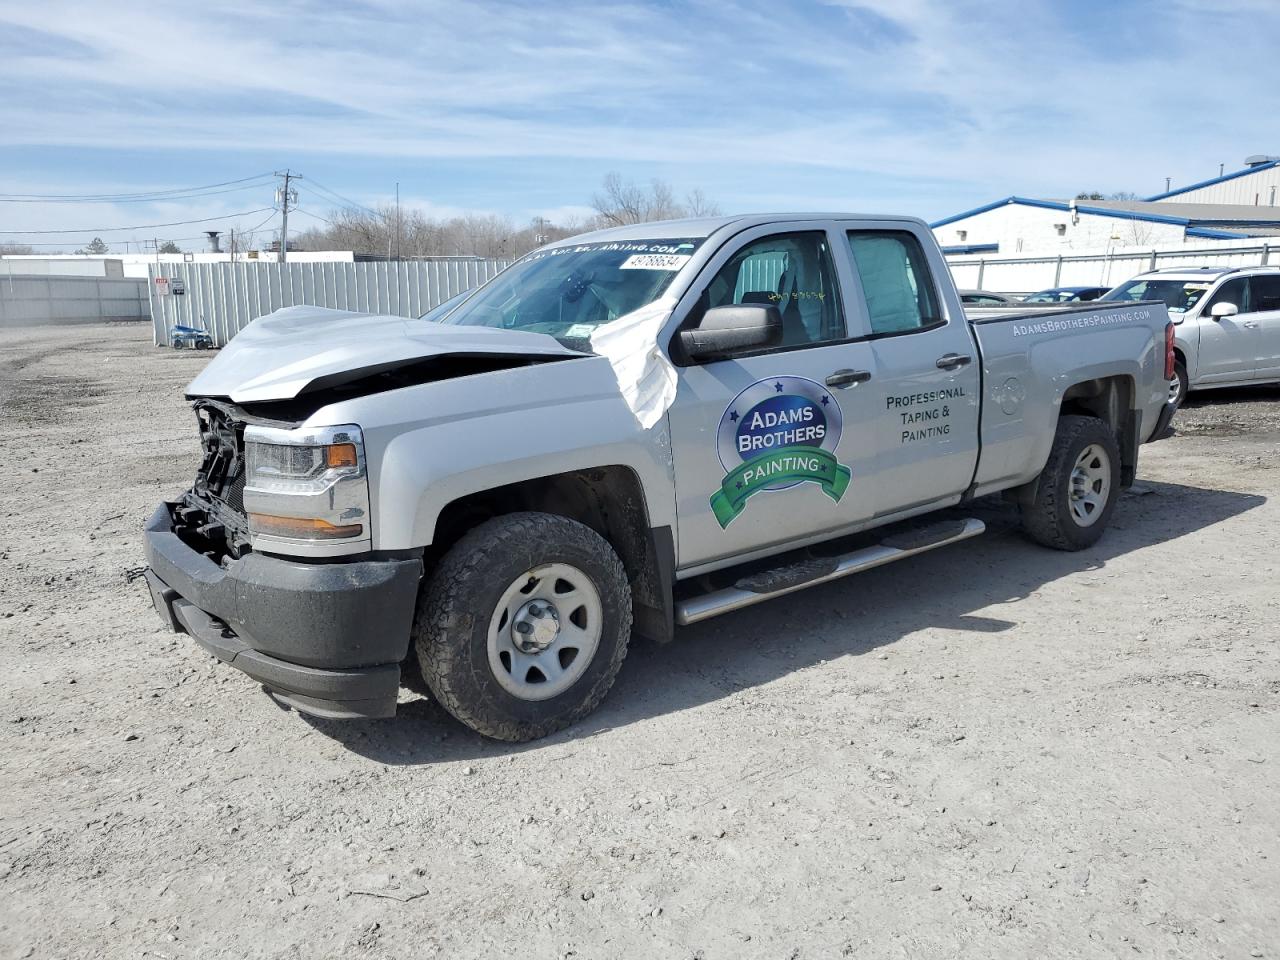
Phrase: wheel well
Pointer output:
(609, 500)
(1110, 399)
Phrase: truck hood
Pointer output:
(303, 349)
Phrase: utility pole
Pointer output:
(285, 197)
(397, 219)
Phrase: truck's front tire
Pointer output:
(524, 625)
(1078, 487)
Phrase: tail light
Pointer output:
(1169, 358)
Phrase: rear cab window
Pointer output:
(896, 282)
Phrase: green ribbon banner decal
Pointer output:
(788, 465)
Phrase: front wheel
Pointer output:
(524, 625)
(1078, 487)
(1179, 385)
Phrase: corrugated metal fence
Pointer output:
(1108, 269)
(38, 300)
(224, 298)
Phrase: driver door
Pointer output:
(771, 447)
(1228, 345)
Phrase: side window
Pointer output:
(792, 271)
(895, 280)
(1264, 293)
(1233, 291)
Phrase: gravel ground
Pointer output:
(990, 751)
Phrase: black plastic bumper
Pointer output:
(1163, 422)
(324, 637)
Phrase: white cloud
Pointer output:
(901, 97)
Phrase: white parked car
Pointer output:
(1227, 321)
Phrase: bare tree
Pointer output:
(621, 202)
(375, 231)
(15, 248)
(696, 204)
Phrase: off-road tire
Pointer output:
(451, 624)
(1184, 384)
(1048, 519)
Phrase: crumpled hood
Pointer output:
(278, 356)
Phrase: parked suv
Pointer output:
(1227, 319)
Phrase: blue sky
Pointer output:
(925, 107)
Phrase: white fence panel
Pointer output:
(65, 299)
(224, 298)
(1109, 268)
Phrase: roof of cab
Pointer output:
(701, 227)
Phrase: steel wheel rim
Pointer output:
(549, 658)
(1090, 485)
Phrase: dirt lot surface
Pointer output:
(990, 751)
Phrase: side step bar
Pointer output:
(807, 573)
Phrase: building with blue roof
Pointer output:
(1233, 206)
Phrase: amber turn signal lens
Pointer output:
(341, 455)
(301, 528)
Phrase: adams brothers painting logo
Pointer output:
(777, 434)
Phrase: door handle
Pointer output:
(1251, 324)
(847, 378)
(951, 361)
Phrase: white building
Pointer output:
(1257, 185)
(1234, 206)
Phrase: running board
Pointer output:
(808, 572)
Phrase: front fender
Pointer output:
(431, 444)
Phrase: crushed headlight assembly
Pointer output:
(307, 491)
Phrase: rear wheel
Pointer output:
(1078, 487)
(524, 625)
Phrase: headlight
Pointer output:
(306, 491)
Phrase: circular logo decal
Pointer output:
(774, 435)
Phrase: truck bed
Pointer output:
(1031, 355)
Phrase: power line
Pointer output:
(60, 243)
(139, 195)
(347, 201)
(142, 226)
(310, 214)
(165, 199)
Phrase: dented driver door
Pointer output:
(773, 448)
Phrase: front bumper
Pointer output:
(326, 638)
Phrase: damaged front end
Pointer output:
(210, 517)
(323, 632)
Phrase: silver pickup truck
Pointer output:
(624, 432)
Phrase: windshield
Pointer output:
(1051, 296)
(438, 312)
(1178, 295)
(569, 291)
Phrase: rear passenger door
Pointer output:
(1264, 305)
(926, 387)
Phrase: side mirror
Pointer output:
(1221, 310)
(729, 329)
